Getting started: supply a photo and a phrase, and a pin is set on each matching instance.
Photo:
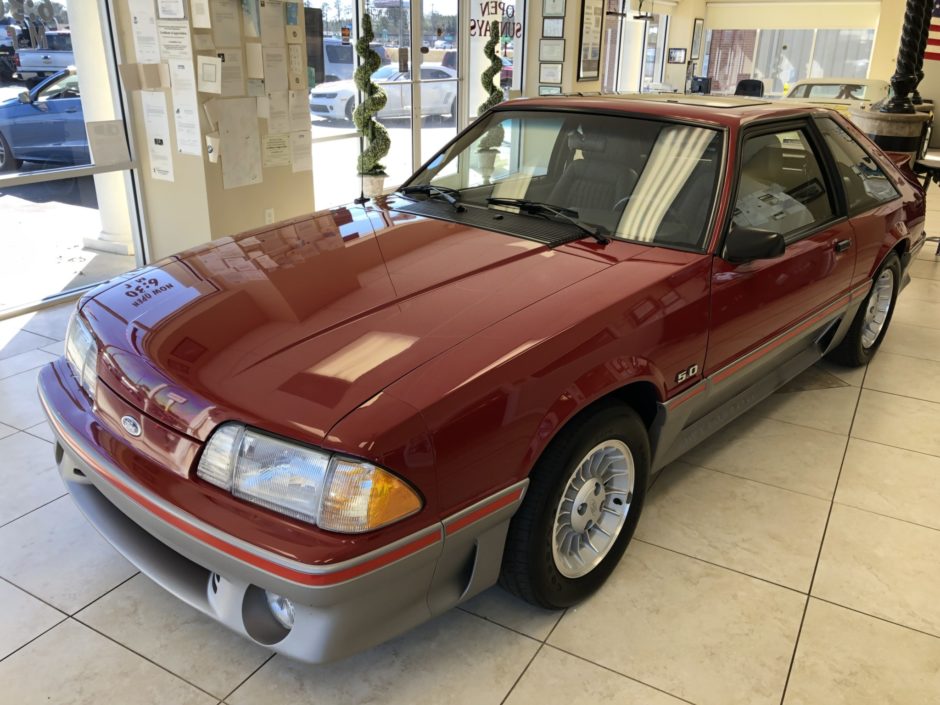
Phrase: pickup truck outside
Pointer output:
(42, 62)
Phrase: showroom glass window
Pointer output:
(865, 184)
(779, 57)
(781, 186)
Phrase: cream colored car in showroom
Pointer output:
(840, 93)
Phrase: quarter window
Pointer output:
(865, 184)
(781, 187)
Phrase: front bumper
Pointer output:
(339, 609)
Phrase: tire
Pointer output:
(453, 110)
(534, 568)
(864, 337)
(349, 110)
(7, 161)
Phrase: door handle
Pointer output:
(841, 245)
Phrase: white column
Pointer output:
(89, 26)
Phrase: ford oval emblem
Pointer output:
(131, 425)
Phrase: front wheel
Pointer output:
(872, 319)
(583, 504)
(7, 161)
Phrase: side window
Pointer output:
(865, 184)
(781, 185)
(65, 87)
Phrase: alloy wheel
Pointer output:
(593, 508)
(877, 308)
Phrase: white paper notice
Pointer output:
(300, 151)
(278, 116)
(294, 34)
(175, 42)
(200, 11)
(272, 23)
(233, 76)
(240, 143)
(276, 150)
(171, 9)
(144, 24)
(253, 61)
(209, 74)
(298, 110)
(255, 87)
(108, 144)
(226, 22)
(157, 129)
(185, 107)
(275, 68)
(298, 79)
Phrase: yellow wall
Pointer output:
(570, 82)
(681, 24)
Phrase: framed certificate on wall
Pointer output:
(549, 73)
(553, 27)
(553, 8)
(551, 50)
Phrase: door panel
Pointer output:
(781, 187)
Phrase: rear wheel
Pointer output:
(349, 109)
(872, 319)
(584, 500)
(7, 161)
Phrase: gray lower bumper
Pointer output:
(456, 560)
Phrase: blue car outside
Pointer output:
(47, 128)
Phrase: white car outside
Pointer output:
(337, 100)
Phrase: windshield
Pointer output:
(385, 73)
(833, 91)
(638, 179)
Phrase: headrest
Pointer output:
(587, 143)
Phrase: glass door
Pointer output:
(438, 83)
(67, 206)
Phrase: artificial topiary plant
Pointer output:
(373, 100)
(494, 136)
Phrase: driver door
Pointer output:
(52, 127)
(763, 310)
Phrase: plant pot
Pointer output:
(893, 132)
(372, 185)
(487, 161)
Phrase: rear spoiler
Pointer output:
(900, 159)
(904, 162)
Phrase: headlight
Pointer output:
(81, 352)
(332, 491)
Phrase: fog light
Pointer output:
(281, 608)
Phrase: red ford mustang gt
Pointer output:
(324, 432)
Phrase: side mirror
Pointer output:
(748, 244)
(24, 97)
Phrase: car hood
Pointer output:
(293, 327)
(334, 87)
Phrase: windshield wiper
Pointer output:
(448, 194)
(598, 232)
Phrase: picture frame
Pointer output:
(698, 29)
(550, 73)
(553, 8)
(676, 55)
(591, 36)
(551, 50)
(553, 27)
(549, 90)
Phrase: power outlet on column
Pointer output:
(268, 216)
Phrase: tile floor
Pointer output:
(791, 559)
